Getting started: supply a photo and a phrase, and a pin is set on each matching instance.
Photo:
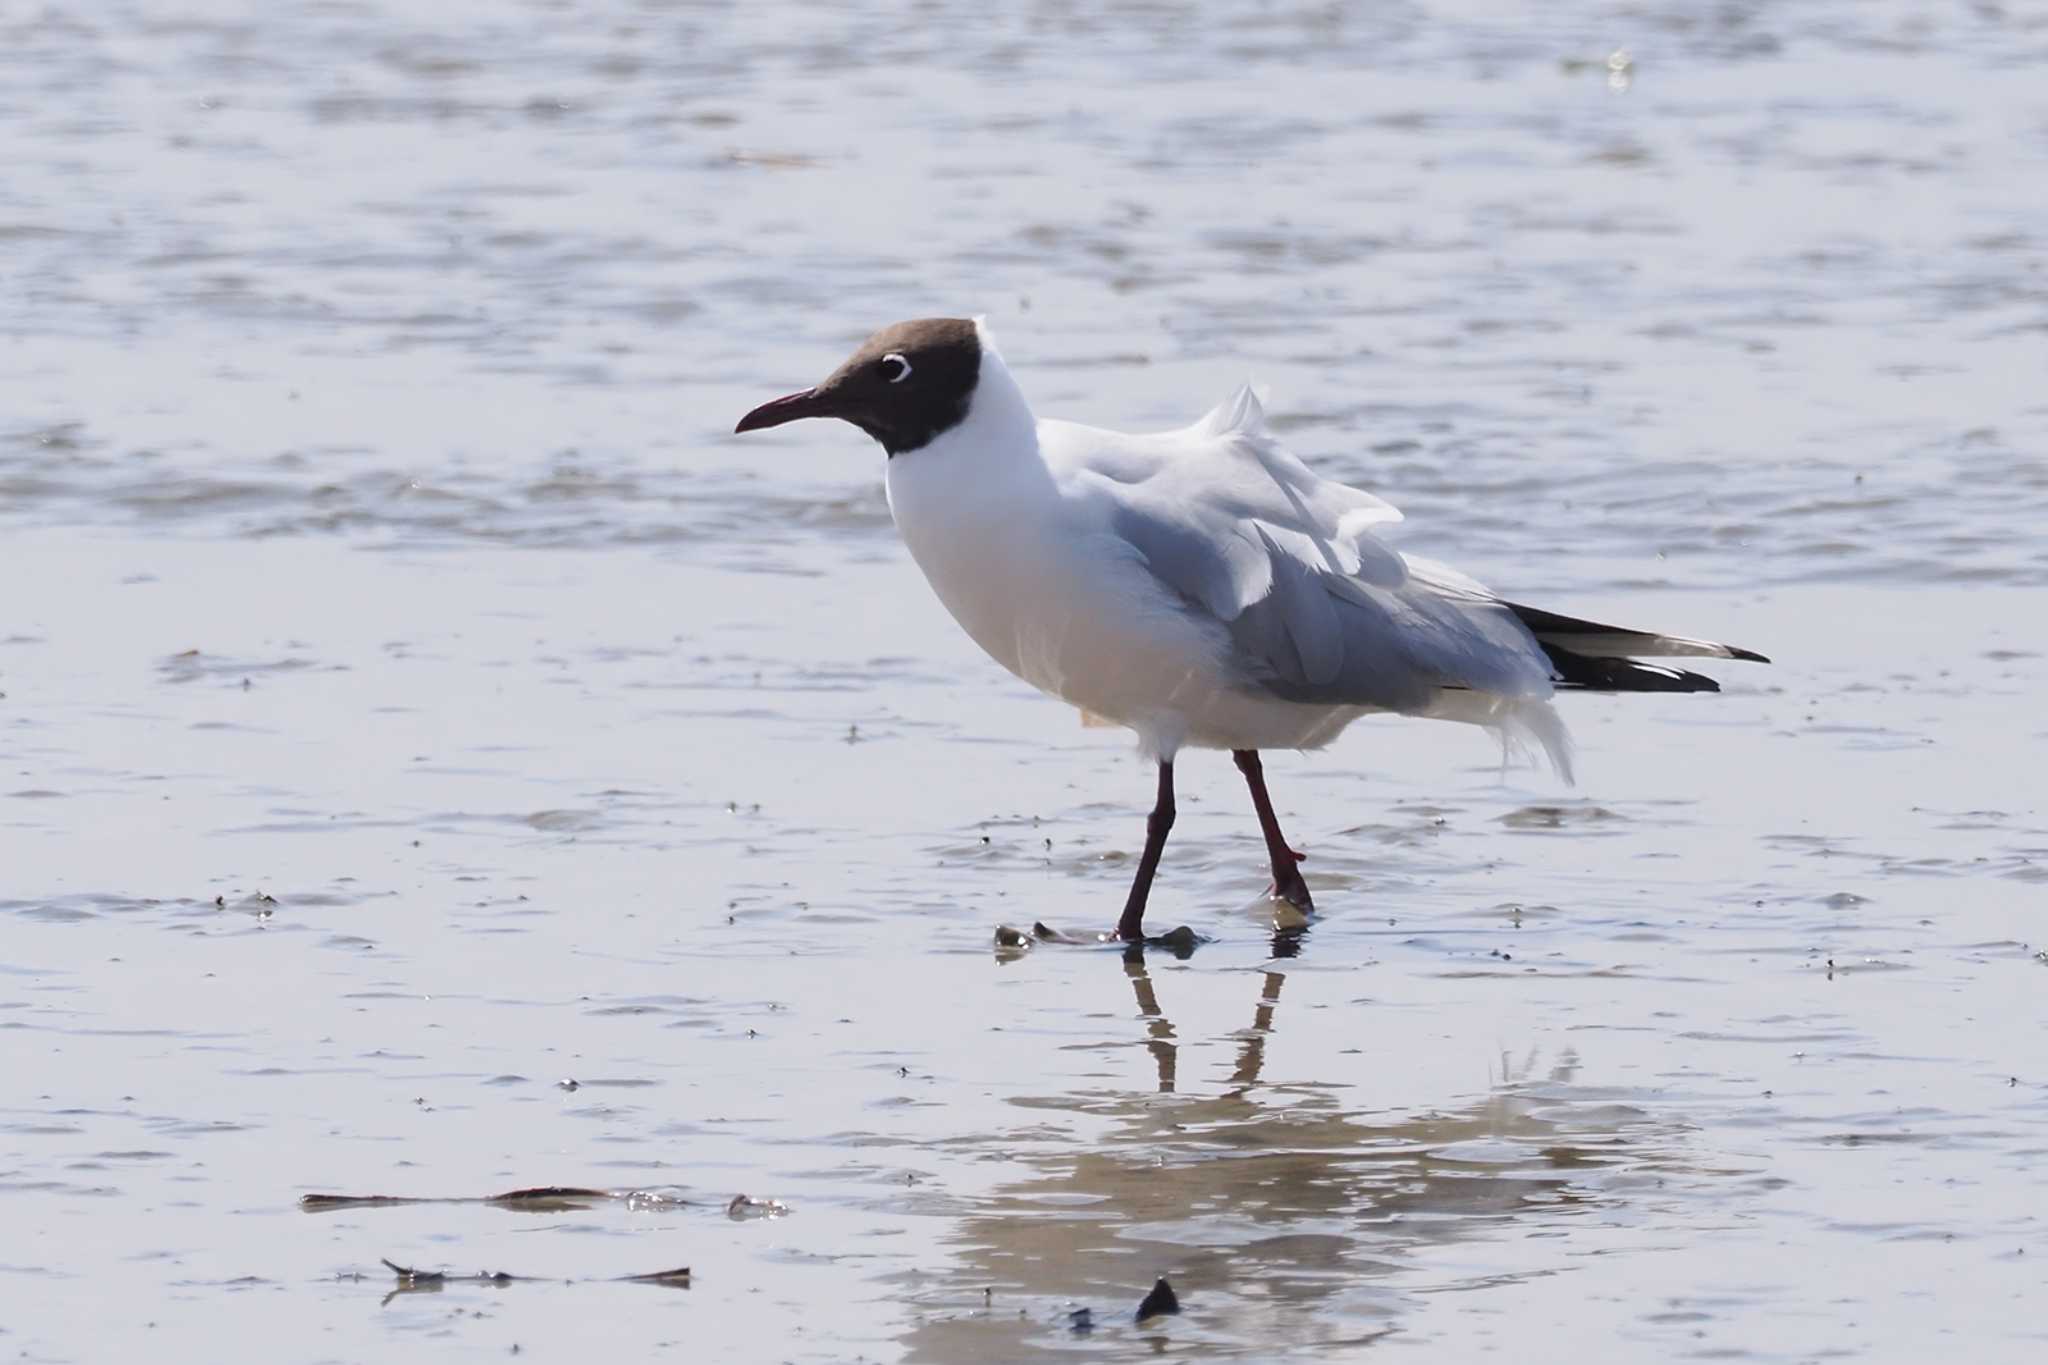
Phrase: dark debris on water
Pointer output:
(1161, 1300)
(548, 1198)
(537, 1199)
(1181, 941)
(413, 1280)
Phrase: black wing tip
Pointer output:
(1656, 678)
(1542, 623)
(1603, 674)
(1643, 680)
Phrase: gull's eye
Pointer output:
(895, 368)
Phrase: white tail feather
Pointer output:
(1529, 727)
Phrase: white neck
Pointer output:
(989, 458)
(966, 504)
(997, 413)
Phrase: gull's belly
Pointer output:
(1070, 618)
(1085, 621)
(1098, 632)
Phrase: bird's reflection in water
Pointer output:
(1160, 1042)
(1165, 1052)
(1279, 1215)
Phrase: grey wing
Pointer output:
(1393, 634)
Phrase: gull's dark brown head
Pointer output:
(904, 386)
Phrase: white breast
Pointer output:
(968, 526)
(1033, 574)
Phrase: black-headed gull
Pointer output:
(1201, 586)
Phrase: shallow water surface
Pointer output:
(437, 760)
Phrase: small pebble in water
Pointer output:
(746, 1206)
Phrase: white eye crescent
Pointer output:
(903, 367)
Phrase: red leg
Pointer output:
(1287, 880)
(1131, 928)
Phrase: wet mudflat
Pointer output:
(435, 763)
(1749, 1062)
